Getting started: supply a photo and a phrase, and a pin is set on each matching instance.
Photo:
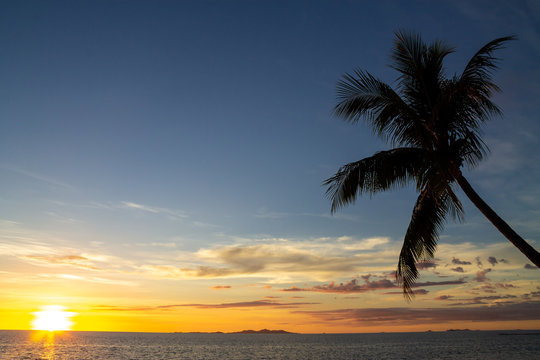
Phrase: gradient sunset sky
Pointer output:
(161, 166)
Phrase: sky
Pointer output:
(161, 166)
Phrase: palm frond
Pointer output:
(408, 53)
(420, 239)
(376, 173)
(481, 65)
(421, 70)
(469, 149)
(362, 96)
(475, 86)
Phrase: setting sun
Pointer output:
(52, 318)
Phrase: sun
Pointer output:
(52, 318)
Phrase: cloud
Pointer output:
(37, 176)
(493, 287)
(443, 297)
(93, 279)
(530, 267)
(281, 260)
(456, 261)
(423, 265)
(174, 272)
(415, 292)
(352, 244)
(458, 269)
(154, 210)
(348, 287)
(244, 304)
(492, 260)
(414, 316)
(479, 262)
(479, 300)
(354, 287)
(249, 304)
(532, 294)
(440, 283)
(481, 275)
(280, 257)
(220, 287)
(73, 260)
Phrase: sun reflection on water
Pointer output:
(47, 341)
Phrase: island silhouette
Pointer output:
(263, 331)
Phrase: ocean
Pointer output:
(461, 345)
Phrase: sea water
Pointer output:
(77, 345)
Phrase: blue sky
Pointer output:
(133, 129)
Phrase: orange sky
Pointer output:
(109, 294)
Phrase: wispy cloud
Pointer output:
(37, 176)
(265, 303)
(354, 286)
(414, 316)
(154, 210)
(93, 279)
(73, 260)
(456, 261)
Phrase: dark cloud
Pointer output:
(456, 261)
(443, 297)
(354, 287)
(479, 262)
(249, 304)
(415, 292)
(411, 316)
(423, 265)
(220, 287)
(493, 287)
(458, 269)
(479, 300)
(492, 260)
(369, 276)
(505, 286)
(440, 283)
(533, 294)
(495, 297)
(481, 275)
(348, 287)
(530, 267)
(294, 288)
(245, 304)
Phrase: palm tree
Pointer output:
(433, 122)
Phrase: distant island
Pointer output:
(263, 331)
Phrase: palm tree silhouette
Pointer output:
(433, 122)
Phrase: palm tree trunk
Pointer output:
(499, 223)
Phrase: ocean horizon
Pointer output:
(458, 344)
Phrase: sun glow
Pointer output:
(52, 318)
